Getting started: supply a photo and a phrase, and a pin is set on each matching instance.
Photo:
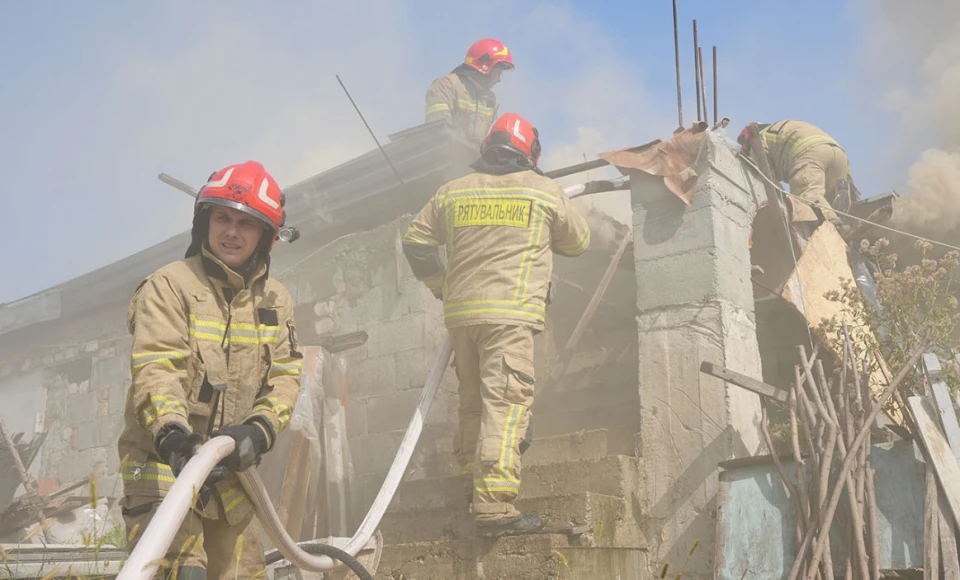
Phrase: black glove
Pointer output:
(251, 444)
(175, 446)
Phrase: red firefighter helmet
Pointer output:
(484, 54)
(246, 187)
(744, 138)
(511, 132)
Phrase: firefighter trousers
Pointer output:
(203, 549)
(822, 175)
(494, 365)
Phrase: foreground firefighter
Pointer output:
(811, 161)
(214, 353)
(464, 98)
(500, 226)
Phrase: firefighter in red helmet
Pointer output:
(214, 353)
(465, 98)
(501, 226)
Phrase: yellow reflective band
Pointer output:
(512, 306)
(793, 145)
(495, 484)
(240, 332)
(228, 499)
(273, 405)
(499, 193)
(159, 405)
(482, 212)
(508, 438)
(526, 265)
(580, 245)
(415, 237)
(210, 330)
(149, 471)
(475, 107)
(437, 108)
(170, 359)
(286, 367)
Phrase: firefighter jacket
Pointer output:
(499, 232)
(197, 328)
(460, 101)
(785, 141)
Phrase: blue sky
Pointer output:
(100, 97)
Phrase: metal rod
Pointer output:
(676, 54)
(596, 163)
(716, 113)
(367, 125)
(703, 85)
(176, 183)
(696, 68)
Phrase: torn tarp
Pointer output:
(674, 160)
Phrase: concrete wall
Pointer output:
(350, 286)
(696, 304)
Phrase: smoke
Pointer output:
(193, 88)
(931, 206)
(913, 50)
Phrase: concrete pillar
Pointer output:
(695, 303)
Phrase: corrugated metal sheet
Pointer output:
(675, 160)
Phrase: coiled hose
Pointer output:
(156, 539)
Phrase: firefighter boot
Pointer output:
(513, 526)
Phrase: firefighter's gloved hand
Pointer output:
(251, 444)
(175, 446)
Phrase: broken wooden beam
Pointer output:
(744, 382)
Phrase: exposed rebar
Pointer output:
(676, 54)
(696, 68)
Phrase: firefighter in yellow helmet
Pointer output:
(811, 161)
(214, 353)
(464, 98)
(500, 226)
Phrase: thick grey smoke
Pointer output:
(932, 204)
(915, 49)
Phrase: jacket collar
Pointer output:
(214, 268)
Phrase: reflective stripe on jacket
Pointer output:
(197, 326)
(450, 99)
(784, 141)
(500, 232)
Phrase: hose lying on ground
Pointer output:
(156, 539)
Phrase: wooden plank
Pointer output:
(931, 529)
(948, 541)
(941, 396)
(939, 452)
(744, 382)
(295, 483)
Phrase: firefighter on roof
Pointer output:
(500, 226)
(811, 161)
(464, 98)
(214, 350)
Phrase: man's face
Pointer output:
(233, 235)
(494, 76)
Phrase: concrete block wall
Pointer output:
(351, 286)
(696, 304)
(85, 399)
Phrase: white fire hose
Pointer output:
(156, 539)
